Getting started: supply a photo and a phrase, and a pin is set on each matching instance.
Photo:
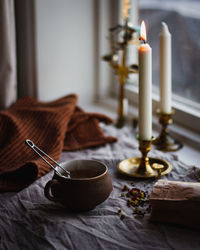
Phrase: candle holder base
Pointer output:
(120, 123)
(144, 167)
(155, 168)
(165, 142)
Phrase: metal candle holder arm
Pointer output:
(121, 69)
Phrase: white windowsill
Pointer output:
(191, 140)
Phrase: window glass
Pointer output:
(183, 20)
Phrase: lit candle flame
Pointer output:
(143, 35)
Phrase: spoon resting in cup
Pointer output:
(40, 152)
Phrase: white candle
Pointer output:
(145, 88)
(165, 69)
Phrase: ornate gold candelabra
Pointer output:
(121, 68)
(144, 167)
(165, 142)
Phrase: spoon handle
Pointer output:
(39, 151)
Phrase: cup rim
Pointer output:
(91, 178)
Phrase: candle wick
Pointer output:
(144, 41)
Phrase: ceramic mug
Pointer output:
(88, 186)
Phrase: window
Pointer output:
(183, 20)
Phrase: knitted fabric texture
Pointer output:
(53, 126)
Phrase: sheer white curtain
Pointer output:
(8, 79)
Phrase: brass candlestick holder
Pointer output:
(120, 64)
(165, 142)
(144, 167)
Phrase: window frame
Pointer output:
(182, 116)
(185, 116)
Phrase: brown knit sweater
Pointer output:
(53, 127)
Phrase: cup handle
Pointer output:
(47, 190)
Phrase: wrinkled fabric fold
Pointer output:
(53, 126)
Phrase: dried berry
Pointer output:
(137, 199)
(119, 211)
(122, 216)
(125, 188)
(139, 212)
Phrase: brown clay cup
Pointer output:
(88, 186)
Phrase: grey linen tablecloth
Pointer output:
(29, 221)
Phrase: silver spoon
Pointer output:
(39, 151)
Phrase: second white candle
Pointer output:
(165, 70)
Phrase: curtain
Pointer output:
(8, 79)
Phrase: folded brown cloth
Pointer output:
(176, 202)
(53, 127)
